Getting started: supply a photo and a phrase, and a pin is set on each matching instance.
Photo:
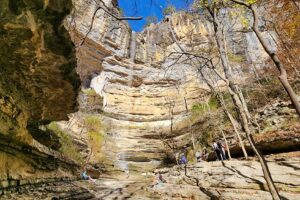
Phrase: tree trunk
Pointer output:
(192, 135)
(228, 150)
(227, 113)
(283, 74)
(235, 128)
(233, 89)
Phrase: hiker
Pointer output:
(226, 151)
(86, 177)
(158, 180)
(198, 156)
(217, 151)
(222, 150)
(183, 159)
(204, 154)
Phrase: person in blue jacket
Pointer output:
(183, 159)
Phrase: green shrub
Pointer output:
(201, 108)
(93, 123)
(121, 11)
(89, 92)
(95, 138)
(67, 147)
(95, 133)
(236, 58)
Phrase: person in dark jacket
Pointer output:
(217, 151)
(222, 149)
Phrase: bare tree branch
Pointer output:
(107, 10)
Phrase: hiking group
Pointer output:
(218, 147)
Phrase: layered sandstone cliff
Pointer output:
(148, 93)
(139, 102)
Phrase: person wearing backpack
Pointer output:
(217, 151)
(222, 150)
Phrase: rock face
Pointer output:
(277, 130)
(38, 83)
(98, 38)
(276, 115)
(58, 189)
(143, 107)
(240, 180)
(147, 93)
(38, 79)
(230, 180)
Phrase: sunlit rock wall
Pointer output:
(98, 38)
(155, 44)
(142, 104)
(147, 97)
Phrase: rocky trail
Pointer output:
(239, 180)
(81, 190)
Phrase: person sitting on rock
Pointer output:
(204, 155)
(158, 180)
(198, 156)
(86, 177)
(183, 159)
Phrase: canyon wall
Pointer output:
(144, 93)
(148, 93)
(38, 84)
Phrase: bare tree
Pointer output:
(102, 6)
(283, 77)
(228, 150)
(207, 62)
(214, 10)
(232, 120)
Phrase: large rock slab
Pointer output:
(231, 180)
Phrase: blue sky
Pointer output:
(146, 8)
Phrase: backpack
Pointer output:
(220, 146)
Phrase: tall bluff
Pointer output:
(194, 33)
(147, 95)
